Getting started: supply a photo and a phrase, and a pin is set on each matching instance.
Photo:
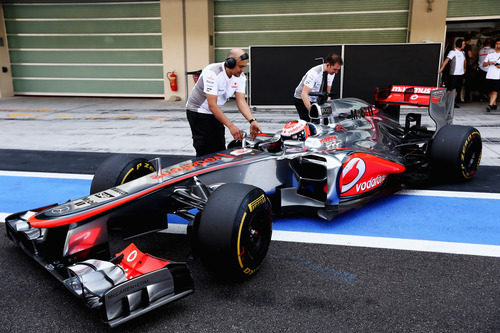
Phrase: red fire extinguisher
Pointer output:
(173, 80)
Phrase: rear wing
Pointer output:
(405, 95)
(439, 102)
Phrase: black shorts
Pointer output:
(207, 133)
(455, 82)
(493, 85)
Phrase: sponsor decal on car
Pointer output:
(352, 173)
(242, 151)
(328, 139)
(191, 166)
(416, 90)
(363, 172)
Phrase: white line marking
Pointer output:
(362, 241)
(45, 175)
(79, 64)
(388, 243)
(307, 30)
(83, 3)
(88, 34)
(81, 79)
(335, 239)
(73, 94)
(85, 50)
(431, 193)
(316, 14)
(85, 19)
(451, 194)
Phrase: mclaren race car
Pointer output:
(350, 152)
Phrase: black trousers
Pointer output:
(455, 82)
(207, 133)
(301, 109)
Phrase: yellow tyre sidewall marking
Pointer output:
(251, 207)
(238, 251)
(137, 167)
(462, 155)
(126, 175)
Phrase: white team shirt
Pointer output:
(493, 72)
(312, 79)
(482, 56)
(457, 59)
(213, 80)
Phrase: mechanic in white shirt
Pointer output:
(312, 81)
(216, 84)
(457, 68)
(492, 61)
(483, 52)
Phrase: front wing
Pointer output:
(122, 288)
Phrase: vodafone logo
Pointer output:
(352, 173)
(371, 183)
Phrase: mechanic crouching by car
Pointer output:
(216, 84)
(318, 78)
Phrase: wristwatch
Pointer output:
(251, 120)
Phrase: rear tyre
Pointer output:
(119, 169)
(235, 230)
(456, 152)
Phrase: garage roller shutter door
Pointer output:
(299, 22)
(85, 49)
(466, 9)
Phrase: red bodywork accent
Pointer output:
(56, 222)
(363, 172)
(84, 240)
(136, 263)
(410, 95)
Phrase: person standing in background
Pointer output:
(482, 70)
(216, 84)
(493, 75)
(470, 59)
(315, 79)
(457, 69)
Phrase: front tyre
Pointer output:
(119, 169)
(456, 152)
(234, 230)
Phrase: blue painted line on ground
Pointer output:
(23, 193)
(466, 220)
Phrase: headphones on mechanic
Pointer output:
(231, 62)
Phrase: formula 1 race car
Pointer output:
(349, 153)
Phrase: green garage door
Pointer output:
(479, 9)
(85, 49)
(299, 22)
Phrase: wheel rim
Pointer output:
(472, 157)
(256, 238)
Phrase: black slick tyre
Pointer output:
(456, 152)
(234, 230)
(119, 169)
